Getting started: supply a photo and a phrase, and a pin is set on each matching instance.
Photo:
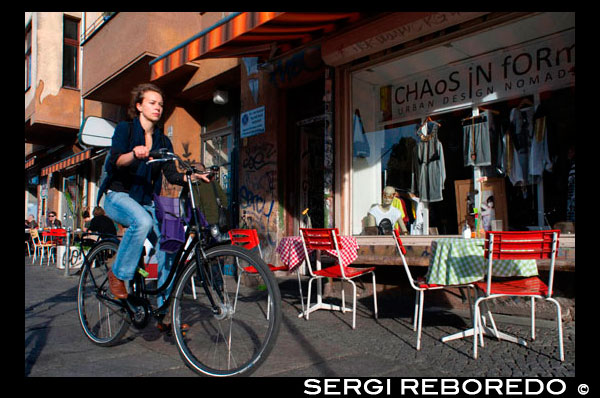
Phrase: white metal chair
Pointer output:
(420, 286)
(327, 239)
(520, 245)
(248, 239)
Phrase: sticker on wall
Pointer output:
(252, 122)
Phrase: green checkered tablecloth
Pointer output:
(456, 261)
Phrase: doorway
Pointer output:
(305, 156)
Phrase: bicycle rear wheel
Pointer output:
(237, 339)
(103, 321)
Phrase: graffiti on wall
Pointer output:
(258, 193)
(285, 70)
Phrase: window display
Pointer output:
(426, 121)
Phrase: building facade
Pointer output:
(322, 111)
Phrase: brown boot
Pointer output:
(117, 286)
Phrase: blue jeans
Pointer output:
(141, 223)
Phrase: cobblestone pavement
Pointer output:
(324, 346)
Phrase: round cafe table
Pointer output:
(457, 261)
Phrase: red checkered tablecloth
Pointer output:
(291, 252)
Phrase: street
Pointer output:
(324, 346)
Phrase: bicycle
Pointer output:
(224, 307)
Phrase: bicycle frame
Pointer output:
(195, 241)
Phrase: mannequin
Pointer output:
(386, 210)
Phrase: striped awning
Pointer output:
(29, 162)
(248, 34)
(70, 161)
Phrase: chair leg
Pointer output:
(343, 297)
(300, 289)
(353, 303)
(532, 318)
(477, 327)
(421, 295)
(268, 306)
(375, 295)
(416, 314)
(559, 325)
(308, 298)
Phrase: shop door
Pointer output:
(311, 171)
(305, 156)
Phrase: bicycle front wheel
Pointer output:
(236, 335)
(103, 321)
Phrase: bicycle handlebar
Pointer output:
(162, 155)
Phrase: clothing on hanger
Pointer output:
(476, 140)
(539, 157)
(429, 169)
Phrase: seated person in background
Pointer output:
(86, 220)
(53, 221)
(30, 222)
(101, 223)
(385, 211)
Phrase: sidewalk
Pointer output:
(324, 346)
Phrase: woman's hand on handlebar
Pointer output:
(141, 152)
(200, 176)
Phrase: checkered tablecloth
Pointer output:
(291, 252)
(457, 261)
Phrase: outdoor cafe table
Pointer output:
(291, 253)
(456, 261)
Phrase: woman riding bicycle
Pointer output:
(129, 198)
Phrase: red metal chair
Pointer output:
(420, 285)
(57, 237)
(521, 245)
(248, 239)
(328, 240)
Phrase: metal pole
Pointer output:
(67, 252)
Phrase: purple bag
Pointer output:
(168, 214)
(172, 234)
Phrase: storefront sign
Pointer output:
(540, 65)
(397, 28)
(252, 122)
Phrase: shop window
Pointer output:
(447, 134)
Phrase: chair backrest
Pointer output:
(402, 252)
(58, 232)
(321, 239)
(35, 236)
(246, 238)
(521, 245)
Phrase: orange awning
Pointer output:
(249, 34)
(29, 162)
(70, 161)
